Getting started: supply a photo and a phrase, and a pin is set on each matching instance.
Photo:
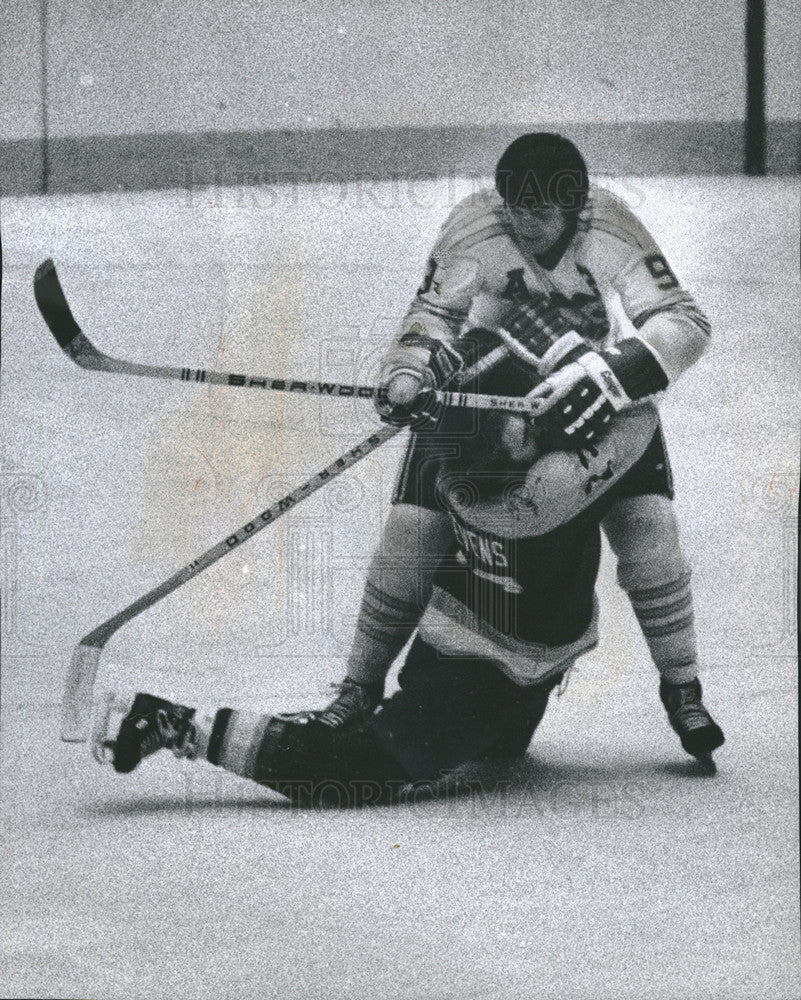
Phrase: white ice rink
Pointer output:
(605, 866)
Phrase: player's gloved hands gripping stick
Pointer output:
(406, 391)
(584, 388)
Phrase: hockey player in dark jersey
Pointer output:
(506, 545)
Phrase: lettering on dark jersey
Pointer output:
(486, 557)
(488, 551)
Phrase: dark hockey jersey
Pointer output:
(519, 587)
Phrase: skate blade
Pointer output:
(108, 712)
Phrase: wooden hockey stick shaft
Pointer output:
(79, 348)
(77, 698)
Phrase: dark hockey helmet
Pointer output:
(542, 168)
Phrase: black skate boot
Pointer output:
(698, 732)
(353, 705)
(151, 724)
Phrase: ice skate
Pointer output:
(125, 734)
(697, 730)
(354, 704)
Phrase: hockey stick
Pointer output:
(79, 348)
(77, 699)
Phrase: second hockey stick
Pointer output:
(77, 698)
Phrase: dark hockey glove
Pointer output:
(584, 388)
(405, 391)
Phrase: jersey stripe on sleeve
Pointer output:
(686, 307)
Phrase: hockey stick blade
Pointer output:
(55, 310)
(53, 304)
(76, 704)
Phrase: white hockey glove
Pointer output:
(585, 388)
(405, 388)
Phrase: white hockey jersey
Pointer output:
(476, 271)
(520, 589)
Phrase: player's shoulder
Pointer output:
(474, 220)
(609, 219)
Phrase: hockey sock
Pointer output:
(665, 614)
(383, 627)
(654, 572)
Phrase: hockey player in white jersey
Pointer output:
(491, 550)
(542, 256)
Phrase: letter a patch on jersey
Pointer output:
(515, 286)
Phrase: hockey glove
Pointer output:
(405, 390)
(584, 388)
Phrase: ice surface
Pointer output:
(605, 866)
